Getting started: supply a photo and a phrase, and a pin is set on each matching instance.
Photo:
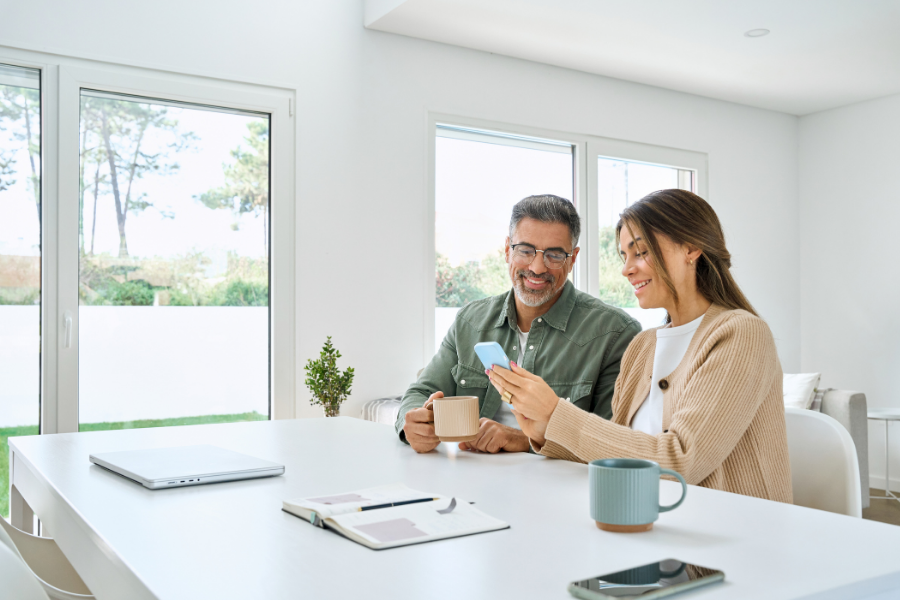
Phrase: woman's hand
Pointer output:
(531, 396)
(535, 430)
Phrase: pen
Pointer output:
(373, 507)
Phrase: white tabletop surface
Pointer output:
(232, 540)
(887, 414)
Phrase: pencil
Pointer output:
(374, 506)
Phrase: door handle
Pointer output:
(67, 318)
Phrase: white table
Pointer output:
(887, 415)
(232, 540)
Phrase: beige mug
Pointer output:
(456, 418)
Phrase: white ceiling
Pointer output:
(820, 54)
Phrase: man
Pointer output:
(570, 339)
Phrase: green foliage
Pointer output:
(19, 296)
(614, 288)
(457, 286)
(329, 386)
(178, 421)
(179, 281)
(6, 433)
(6, 171)
(241, 293)
(128, 293)
(9, 432)
(246, 188)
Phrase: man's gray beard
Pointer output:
(530, 297)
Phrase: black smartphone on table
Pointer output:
(647, 582)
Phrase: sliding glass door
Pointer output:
(20, 260)
(174, 246)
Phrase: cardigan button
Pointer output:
(663, 384)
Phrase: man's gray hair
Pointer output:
(547, 208)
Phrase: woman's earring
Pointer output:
(691, 261)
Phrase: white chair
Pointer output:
(16, 579)
(48, 566)
(824, 466)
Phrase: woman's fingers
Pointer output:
(508, 379)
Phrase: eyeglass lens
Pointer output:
(524, 255)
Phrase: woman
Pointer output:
(700, 395)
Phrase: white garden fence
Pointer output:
(144, 362)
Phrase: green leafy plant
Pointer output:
(329, 386)
(614, 288)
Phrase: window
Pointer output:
(479, 176)
(20, 260)
(482, 169)
(620, 183)
(173, 286)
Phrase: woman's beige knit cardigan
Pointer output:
(723, 416)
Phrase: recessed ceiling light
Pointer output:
(756, 33)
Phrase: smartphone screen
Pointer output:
(654, 580)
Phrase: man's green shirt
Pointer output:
(575, 347)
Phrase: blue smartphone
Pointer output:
(492, 354)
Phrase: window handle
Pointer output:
(67, 316)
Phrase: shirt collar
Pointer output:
(557, 317)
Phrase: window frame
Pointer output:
(62, 79)
(587, 149)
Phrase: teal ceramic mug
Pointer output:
(624, 493)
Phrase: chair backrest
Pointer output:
(16, 579)
(6, 540)
(824, 466)
(47, 563)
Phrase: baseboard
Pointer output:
(877, 482)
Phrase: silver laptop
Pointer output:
(185, 465)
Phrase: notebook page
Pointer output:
(415, 523)
(350, 502)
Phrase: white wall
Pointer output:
(850, 291)
(363, 98)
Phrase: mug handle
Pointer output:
(683, 489)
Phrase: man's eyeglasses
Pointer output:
(523, 255)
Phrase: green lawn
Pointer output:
(32, 430)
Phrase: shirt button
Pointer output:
(463, 382)
(663, 384)
(540, 320)
(531, 347)
(514, 347)
(568, 399)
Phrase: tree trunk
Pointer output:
(35, 181)
(114, 180)
(96, 189)
(133, 167)
(82, 162)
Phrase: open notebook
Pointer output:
(393, 526)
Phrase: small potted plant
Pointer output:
(329, 386)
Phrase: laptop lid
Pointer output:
(156, 468)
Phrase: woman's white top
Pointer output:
(671, 344)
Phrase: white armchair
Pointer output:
(849, 409)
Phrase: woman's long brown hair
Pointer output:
(686, 218)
